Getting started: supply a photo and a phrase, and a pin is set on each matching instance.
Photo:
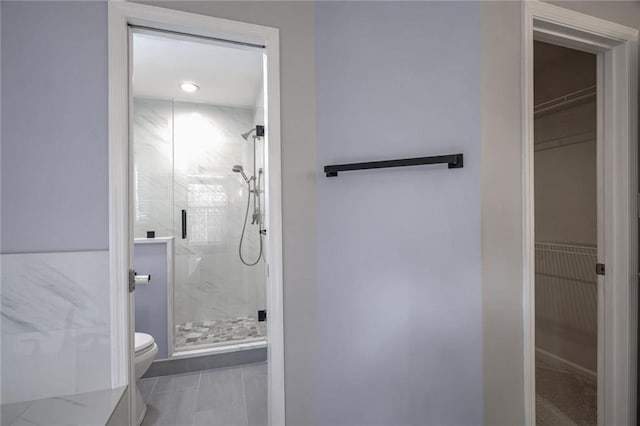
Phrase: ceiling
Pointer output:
(227, 74)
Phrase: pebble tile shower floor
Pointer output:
(215, 332)
(221, 397)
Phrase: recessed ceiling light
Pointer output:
(189, 87)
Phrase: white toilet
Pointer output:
(146, 350)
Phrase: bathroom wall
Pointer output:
(501, 188)
(55, 327)
(399, 249)
(182, 149)
(54, 243)
(54, 160)
(69, 44)
(152, 299)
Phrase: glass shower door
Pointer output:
(216, 297)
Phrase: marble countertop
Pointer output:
(89, 408)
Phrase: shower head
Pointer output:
(246, 135)
(259, 129)
(239, 169)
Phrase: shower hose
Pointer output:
(256, 195)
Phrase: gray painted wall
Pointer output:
(54, 149)
(151, 299)
(399, 284)
(503, 388)
(54, 132)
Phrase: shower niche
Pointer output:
(198, 165)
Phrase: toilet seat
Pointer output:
(143, 343)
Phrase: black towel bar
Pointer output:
(455, 161)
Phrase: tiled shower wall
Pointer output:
(183, 156)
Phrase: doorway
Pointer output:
(198, 185)
(566, 235)
(199, 168)
(195, 181)
(615, 250)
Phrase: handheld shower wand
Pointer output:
(256, 190)
(239, 169)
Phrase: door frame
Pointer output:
(121, 15)
(616, 47)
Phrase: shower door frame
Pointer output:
(121, 16)
(616, 48)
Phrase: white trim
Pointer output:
(600, 214)
(575, 27)
(273, 255)
(118, 205)
(157, 240)
(528, 250)
(121, 14)
(170, 296)
(616, 47)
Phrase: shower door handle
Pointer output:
(184, 224)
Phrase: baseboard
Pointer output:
(572, 367)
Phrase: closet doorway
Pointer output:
(571, 328)
(567, 196)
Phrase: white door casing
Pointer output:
(121, 16)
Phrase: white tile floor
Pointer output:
(235, 396)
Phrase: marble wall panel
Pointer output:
(55, 324)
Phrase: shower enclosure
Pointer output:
(187, 186)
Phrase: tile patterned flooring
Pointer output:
(235, 396)
(215, 332)
(564, 398)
